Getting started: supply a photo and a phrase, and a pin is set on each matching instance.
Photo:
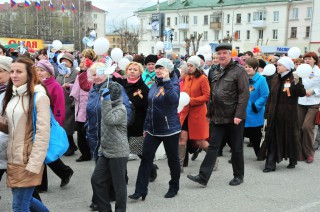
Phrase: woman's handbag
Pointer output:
(58, 143)
(317, 120)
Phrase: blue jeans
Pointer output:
(23, 200)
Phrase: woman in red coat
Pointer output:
(193, 116)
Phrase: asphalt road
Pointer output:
(283, 190)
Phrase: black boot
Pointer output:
(186, 159)
(153, 173)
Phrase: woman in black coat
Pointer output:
(137, 92)
(282, 135)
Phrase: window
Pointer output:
(205, 35)
(195, 20)
(248, 34)
(228, 34)
(309, 12)
(205, 20)
(228, 19)
(113, 40)
(95, 26)
(237, 35)
(175, 36)
(185, 35)
(295, 13)
(214, 18)
(168, 21)
(249, 17)
(184, 19)
(238, 19)
(259, 16)
(275, 34)
(307, 31)
(216, 34)
(261, 34)
(195, 33)
(293, 32)
(176, 20)
(95, 16)
(276, 16)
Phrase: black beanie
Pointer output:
(262, 64)
(151, 58)
(201, 57)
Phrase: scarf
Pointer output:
(133, 81)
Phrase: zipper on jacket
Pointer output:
(152, 111)
(13, 129)
(167, 121)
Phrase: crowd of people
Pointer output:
(117, 113)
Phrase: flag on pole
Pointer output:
(38, 5)
(73, 8)
(51, 6)
(62, 6)
(13, 2)
(27, 3)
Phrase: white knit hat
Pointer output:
(194, 60)
(5, 63)
(286, 62)
(164, 62)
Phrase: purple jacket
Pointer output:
(57, 102)
(80, 99)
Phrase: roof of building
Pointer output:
(191, 4)
(96, 9)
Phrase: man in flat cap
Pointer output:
(229, 96)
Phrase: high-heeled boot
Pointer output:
(182, 153)
(137, 196)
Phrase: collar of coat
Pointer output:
(285, 77)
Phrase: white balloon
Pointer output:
(159, 45)
(304, 70)
(207, 49)
(208, 57)
(123, 63)
(116, 54)
(269, 70)
(180, 108)
(294, 53)
(168, 51)
(57, 45)
(59, 57)
(101, 46)
(184, 99)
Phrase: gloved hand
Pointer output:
(88, 63)
(106, 94)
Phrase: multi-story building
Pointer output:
(274, 25)
(98, 17)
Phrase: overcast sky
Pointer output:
(117, 9)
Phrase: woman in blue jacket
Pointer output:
(161, 124)
(259, 93)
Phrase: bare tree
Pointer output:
(188, 42)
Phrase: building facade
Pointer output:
(98, 18)
(273, 25)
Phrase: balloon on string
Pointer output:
(184, 99)
(304, 70)
(59, 57)
(57, 45)
(123, 63)
(116, 54)
(234, 53)
(207, 49)
(101, 45)
(269, 70)
(85, 40)
(159, 45)
(294, 53)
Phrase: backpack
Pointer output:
(58, 143)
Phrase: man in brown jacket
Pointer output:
(227, 113)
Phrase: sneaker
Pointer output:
(133, 157)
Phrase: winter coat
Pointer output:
(93, 121)
(69, 123)
(229, 94)
(148, 78)
(80, 97)
(138, 95)
(114, 140)
(259, 92)
(3, 141)
(199, 91)
(25, 162)
(311, 83)
(163, 100)
(56, 95)
(281, 112)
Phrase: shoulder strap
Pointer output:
(34, 116)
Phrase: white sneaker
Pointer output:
(133, 157)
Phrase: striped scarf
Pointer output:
(3, 88)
